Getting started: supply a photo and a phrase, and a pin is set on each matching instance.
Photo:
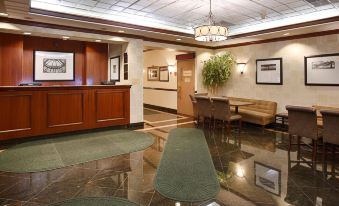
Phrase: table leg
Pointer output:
(236, 109)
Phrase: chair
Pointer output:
(222, 112)
(302, 122)
(194, 105)
(204, 108)
(330, 135)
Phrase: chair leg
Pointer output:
(228, 126)
(324, 160)
(239, 133)
(289, 142)
(314, 158)
(333, 161)
(299, 150)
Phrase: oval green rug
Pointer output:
(186, 172)
(54, 153)
(95, 201)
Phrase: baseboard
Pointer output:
(137, 125)
(163, 109)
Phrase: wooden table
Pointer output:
(238, 104)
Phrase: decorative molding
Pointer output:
(185, 56)
(163, 109)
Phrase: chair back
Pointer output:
(330, 126)
(194, 105)
(204, 106)
(221, 107)
(302, 121)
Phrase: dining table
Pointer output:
(236, 104)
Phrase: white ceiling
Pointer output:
(242, 16)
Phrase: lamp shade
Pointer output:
(210, 33)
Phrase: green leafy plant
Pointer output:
(217, 70)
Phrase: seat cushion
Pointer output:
(256, 117)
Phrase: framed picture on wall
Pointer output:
(153, 73)
(269, 71)
(114, 67)
(322, 70)
(163, 74)
(53, 66)
(267, 178)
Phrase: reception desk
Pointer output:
(43, 110)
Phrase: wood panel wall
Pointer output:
(16, 59)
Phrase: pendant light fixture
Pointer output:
(210, 32)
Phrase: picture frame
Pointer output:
(53, 66)
(163, 74)
(153, 73)
(269, 71)
(114, 68)
(322, 70)
(267, 178)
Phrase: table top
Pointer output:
(240, 103)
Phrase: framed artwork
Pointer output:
(163, 74)
(153, 74)
(114, 67)
(267, 178)
(53, 66)
(322, 70)
(269, 71)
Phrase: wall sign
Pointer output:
(322, 70)
(163, 74)
(269, 71)
(153, 73)
(53, 66)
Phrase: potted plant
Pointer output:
(217, 70)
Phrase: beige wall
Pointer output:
(294, 90)
(161, 98)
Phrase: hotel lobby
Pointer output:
(169, 102)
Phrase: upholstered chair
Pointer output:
(330, 136)
(194, 105)
(204, 108)
(302, 123)
(223, 113)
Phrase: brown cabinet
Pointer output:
(33, 111)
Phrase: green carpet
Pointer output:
(150, 112)
(53, 153)
(186, 172)
(95, 201)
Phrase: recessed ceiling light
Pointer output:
(27, 33)
(286, 34)
(65, 37)
(178, 39)
(97, 40)
(3, 14)
(121, 31)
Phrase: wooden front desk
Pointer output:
(34, 111)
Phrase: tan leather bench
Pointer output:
(262, 112)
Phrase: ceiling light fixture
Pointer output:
(27, 33)
(121, 31)
(3, 14)
(286, 34)
(210, 32)
(178, 39)
(65, 37)
(97, 40)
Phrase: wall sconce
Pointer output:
(171, 69)
(241, 67)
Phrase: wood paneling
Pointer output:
(16, 59)
(16, 112)
(65, 108)
(11, 59)
(96, 63)
(33, 111)
(109, 105)
(49, 44)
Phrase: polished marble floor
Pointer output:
(252, 168)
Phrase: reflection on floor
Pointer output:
(252, 169)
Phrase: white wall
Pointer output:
(294, 90)
(167, 99)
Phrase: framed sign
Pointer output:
(322, 70)
(153, 74)
(267, 178)
(163, 74)
(114, 67)
(53, 66)
(269, 71)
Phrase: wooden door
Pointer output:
(186, 82)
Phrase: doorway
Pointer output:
(186, 84)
